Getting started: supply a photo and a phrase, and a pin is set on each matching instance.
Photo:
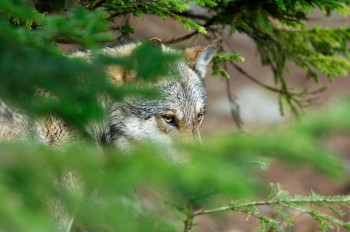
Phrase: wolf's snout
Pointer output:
(190, 134)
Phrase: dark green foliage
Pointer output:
(223, 58)
(278, 29)
(75, 88)
(30, 64)
(215, 173)
(143, 190)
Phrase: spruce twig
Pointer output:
(297, 203)
(306, 200)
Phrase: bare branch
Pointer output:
(182, 38)
(100, 3)
(235, 110)
(189, 222)
(244, 73)
(302, 99)
(191, 15)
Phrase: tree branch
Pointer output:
(235, 111)
(181, 38)
(189, 222)
(292, 97)
(272, 202)
(100, 3)
(244, 73)
(191, 15)
(319, 214)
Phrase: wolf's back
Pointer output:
(12, 123)
(51, 130)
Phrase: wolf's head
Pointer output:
(179, 114)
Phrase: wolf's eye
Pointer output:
(200, 117)
(169, 119)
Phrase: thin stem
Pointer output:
(244, 73)
(250, 77)
(292, 97)
(308, 211)
(100, 3)
(235, 111)
(189, 222)
(184, 37)
(254, 214)
(271, 202)
(191, 15)
(295, 99)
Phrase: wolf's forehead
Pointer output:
(187, 91)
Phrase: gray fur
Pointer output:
(133, 120)
(184, 94)
(12, 123)
(139, 120)
(5, 113)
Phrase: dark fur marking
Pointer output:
(146, 110)
(118, 43)
(197, 72)
(8, 115)
(114, 131)
(82, 49)
(142, 113)
(107, 45)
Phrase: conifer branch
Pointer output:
(192, 15)
(184, 37)
(302, 98)
(181, 38)
(279, 197)
(98, 4)
(320, 217)
(245, 74)
(298, 200)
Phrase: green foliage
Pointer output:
(30, 64)
(278, 198)
(224, 57)
(277, 28)
(115, 184)
(75, 88)
(145, 190)
(161, 8)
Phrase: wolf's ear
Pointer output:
(156, 42)
(200, 56)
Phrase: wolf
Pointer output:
(179, 114)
